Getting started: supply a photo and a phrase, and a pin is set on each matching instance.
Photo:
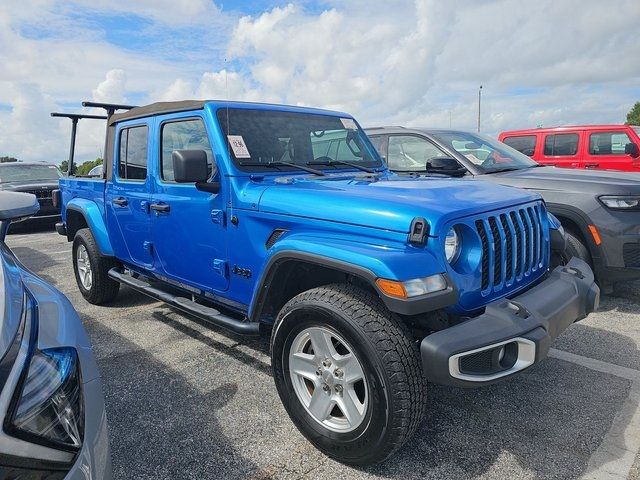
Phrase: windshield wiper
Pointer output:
(283, 164)
(500, 170)
(333, 163)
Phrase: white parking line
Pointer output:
(597, 365)
(616, 454)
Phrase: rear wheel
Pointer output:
(91, 269)
(348, 373)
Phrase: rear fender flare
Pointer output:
(95, 221)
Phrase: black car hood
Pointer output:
(31, 185)
(569, 180)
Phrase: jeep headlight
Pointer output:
(621, 202)
(452, 245)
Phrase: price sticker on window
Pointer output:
(238, 146)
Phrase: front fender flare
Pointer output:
(356, 262)
(95, 220)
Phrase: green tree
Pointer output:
(81, 169)
(84, 168)
(8, 159)
(633, 117)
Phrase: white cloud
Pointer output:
(112, 88)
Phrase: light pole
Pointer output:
(479, 102)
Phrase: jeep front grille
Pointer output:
(512, 246)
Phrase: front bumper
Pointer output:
(512, 334)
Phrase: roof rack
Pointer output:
(74, 117)
(109, 107)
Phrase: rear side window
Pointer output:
(523, 143)
(183, 135)
(561, 144)
(132, 161)
(608, 143)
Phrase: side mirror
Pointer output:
(445, 166)
(632, 149)
(15, 206)
(191, 166)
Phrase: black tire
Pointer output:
(102, 288)
(390, 361)
(577, 248)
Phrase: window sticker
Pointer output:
(238, 146)
(348, 123)
(473, 158)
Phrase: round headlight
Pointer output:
(451, 245)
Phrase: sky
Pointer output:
(412, 63)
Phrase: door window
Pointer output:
(523, 143)
(410, 153)
(561, 144)
(608, 143)
(183, 135)
(132, 160)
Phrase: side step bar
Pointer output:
(207, 314)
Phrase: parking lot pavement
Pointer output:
(188, 401)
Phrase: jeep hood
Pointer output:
(569, 180)
(388, 203)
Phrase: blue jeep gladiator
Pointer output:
(265, 218)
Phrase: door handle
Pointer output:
(160, 207)
(591, 165)
(121, 202)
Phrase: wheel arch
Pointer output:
(576, 221)
(82, 213)
(288, 273)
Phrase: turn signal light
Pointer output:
(595, 234)
(391, 288)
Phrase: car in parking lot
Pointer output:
(53, 417)
(39, 179)
(267, 218)
(600, 211)
(595, 147)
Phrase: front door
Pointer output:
(188, 225)
(127, 196)
(607, 151)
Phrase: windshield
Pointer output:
(17, 172)
(485, 153)
(258, 138)
(637, 129)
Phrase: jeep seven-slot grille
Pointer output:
(511, 246)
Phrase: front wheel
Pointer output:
(348, 373)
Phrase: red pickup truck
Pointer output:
(603, 147)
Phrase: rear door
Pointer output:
(188, 225)
(127, 195)
(562, 149)
(606, 150)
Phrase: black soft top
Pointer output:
(157, 109)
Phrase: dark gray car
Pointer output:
(39, 179)
(600, 210)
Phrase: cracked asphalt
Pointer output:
(185, 400)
